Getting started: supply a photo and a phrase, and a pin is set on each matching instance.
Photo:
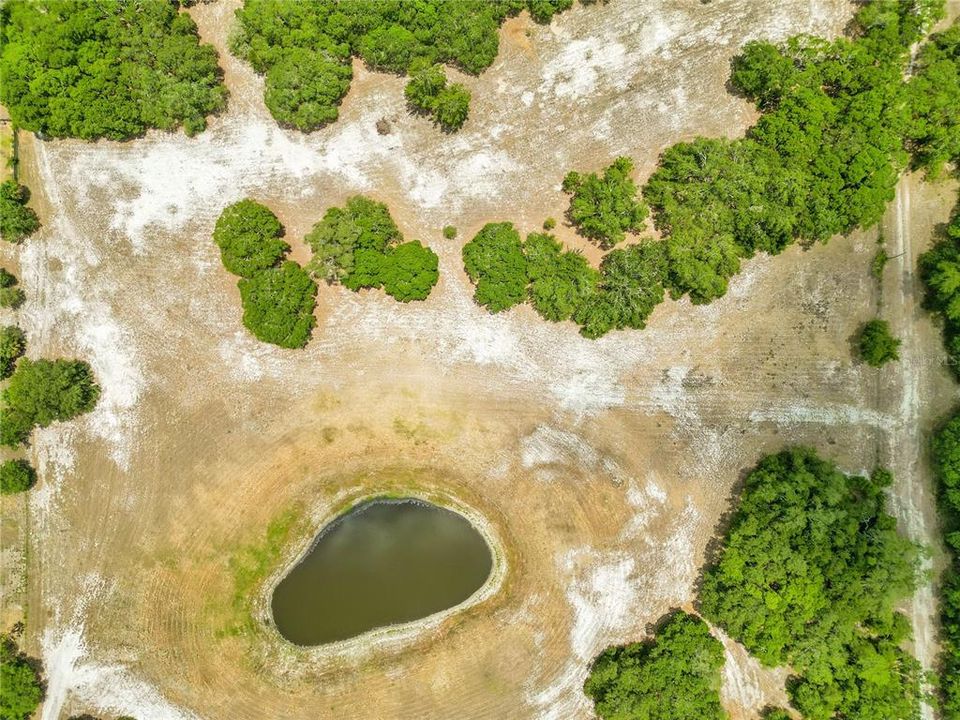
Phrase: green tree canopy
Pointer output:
(934, 94)
(248, 235)
(10, 295)
(560, 281)
(42, 392)
(278, 304)
(105, 68)
(13, 343)
(16, 476)
(604, 208)
(20, 688)
(809, 575)
(364, 224)
(495, 262)
(451, 107)
(675, 676)
(17, 221)
(877, 344)
(409, 271)
(940, 272)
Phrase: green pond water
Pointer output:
(383, 563)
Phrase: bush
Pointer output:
(559, 281)
(17, 221)
(363, 225)
(41, 392)
(809, 576)
(278, 305)
(13, 343)
(877, 344)
(20, 688)
(248, 235)
(409, 271)
(16, 476)
(449, 232)
(10, 296)
(675, 676)
(549, 224)
(428, 92)
(495, 262)
(312, 43)
(604, 208)
(424, 87)
(110, 69)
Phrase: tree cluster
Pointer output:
(675, 676)
(428, 93)
(934, 94)
(946, 457)
(940, 272)
(41, 392)
(304, 48)
(360, 246)
(11, 296)
(17, 221)
(21, 689)
(605, 207)
(105, 68)
(877, 344)
(278, 296)
(809, 576)
(13, 343)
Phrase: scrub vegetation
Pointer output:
(21, 689)
(304, 50)
(835, 129)
(809, 576)
(17, 221)
(940, 271)
(877, 344)
(105, 69)
(674, 676)
(16, 476)
(41, 392)
(13, 343)
(278, 296)
(11, 296)
(360, 247)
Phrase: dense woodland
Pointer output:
(946, 456)
(105, 68)
(304, 49)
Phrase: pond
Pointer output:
(385, 562)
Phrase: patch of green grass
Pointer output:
(251, 564)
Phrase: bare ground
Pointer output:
(602, 466)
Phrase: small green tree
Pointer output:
(409, 271)
(451, 107)
(877, 344)
(10, 296)
(604, 208)
(13, 343)
(495, 262)
(424, 87)
(560, 281)
(41, 392)
(17, 221)
(364, 224)
(449, 232)
(20, 687)
(16, 476)
(675, 676)
(278, 305)
(248, 235)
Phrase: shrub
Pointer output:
(604, 208)
(409, 271)
(10, 296)
(877, 344)
(495, 262)
(13, 343)
(17, 221)
(41, 392)
(20, 688)
(278, 305)
(305, 49)
(248, 235)
(809, 575)
(549, 224)
(675, 676)
(449, 232)
(424, 87)
(451, 107)
(878, 263)
(109, 69)
(362, 224)
(560, 280)
(16, 476)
